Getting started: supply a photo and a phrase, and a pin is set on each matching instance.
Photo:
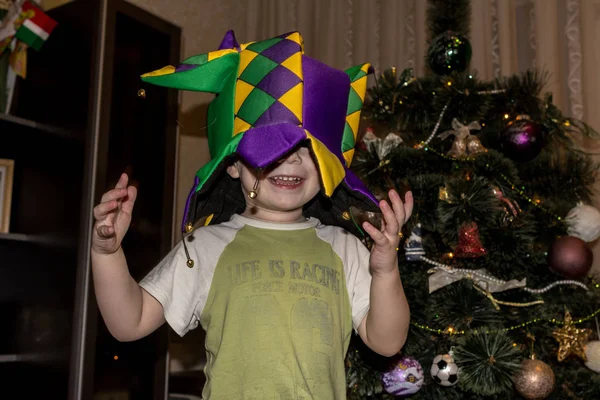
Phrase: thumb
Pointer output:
(105, 231)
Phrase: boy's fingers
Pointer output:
(398, 207)
(102, 209)
(409, 204)
(375, 233)
(113, 194)
(122, 182)
(127, 205)
(391, 223)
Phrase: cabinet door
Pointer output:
(86, 80)
(138, 136)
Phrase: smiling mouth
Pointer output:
(287, 182)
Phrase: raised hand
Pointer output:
(384, 253)
(113, 216)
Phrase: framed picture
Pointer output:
(6, 182)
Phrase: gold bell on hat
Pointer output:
(254, 192)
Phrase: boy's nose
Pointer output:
(294, 158)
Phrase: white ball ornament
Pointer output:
(583, 221)
(444, 370)
(592, 353)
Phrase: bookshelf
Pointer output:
(75, 125)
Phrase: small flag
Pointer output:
(36, 29)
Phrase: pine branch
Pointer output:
(449, 15)
(487, 363)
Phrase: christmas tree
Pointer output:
(496, 259)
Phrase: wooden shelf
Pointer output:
(44, 240)
(50, 129)
(30, 357)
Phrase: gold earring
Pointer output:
(254, 192)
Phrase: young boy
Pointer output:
(274, 277)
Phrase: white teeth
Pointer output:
(286, 180)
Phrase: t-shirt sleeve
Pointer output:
(358, 280)
(177, 288)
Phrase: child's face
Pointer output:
(283, 189)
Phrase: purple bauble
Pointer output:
(522, 140)
(571, 257)
(404, 378)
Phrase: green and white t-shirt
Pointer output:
(277, 301)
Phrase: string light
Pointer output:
(453, 331)
(521, 191)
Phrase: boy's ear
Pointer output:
(233, 170)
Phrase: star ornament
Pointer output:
(571, 340)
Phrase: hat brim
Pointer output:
(217, 195)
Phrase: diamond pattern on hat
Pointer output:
(275, 114)
(282, 51)
(239, 125)
(355, 103)
(255, 105)
(263, 45)
(246, 58)
(270, 85)
(294, 64)
(293, 100)
(213, 55)
(353, 120)
(242, 91)
(279, 81)
(294, 37)
(258, 68)
(358, 76)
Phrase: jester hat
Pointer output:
(270, 98)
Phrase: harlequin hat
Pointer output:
(270, 98)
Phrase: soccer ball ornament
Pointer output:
(444, 370)
(404, 378)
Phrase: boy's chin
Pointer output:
(286, 207)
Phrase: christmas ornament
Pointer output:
(592, 353)
(404, 378)
(583, 221)
(512, 209)
(469, 243)
(413, 247)
(535, 380)
(571, 340)
(443, 195)
(449, 52)
(441, 276)
(382, 147)
(444, 370)
(359, 216)
(570, 257)
(464, 143)
(522, 140)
